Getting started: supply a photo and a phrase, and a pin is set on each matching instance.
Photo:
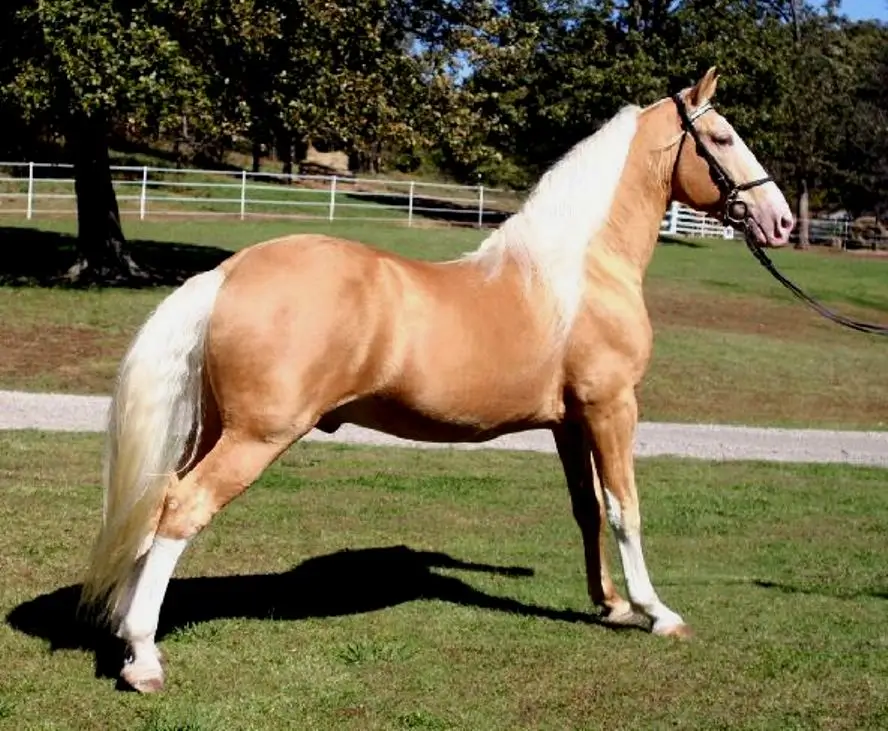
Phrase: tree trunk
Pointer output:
(804, 222)
(376, 158)
(101, 246)
(257, 155)
(183, 156)
(365, 160)
(300, 147)
(285, 152)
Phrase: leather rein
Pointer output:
(737, 214)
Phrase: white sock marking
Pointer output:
(140, 622)
(638, 581)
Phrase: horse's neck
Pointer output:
(553, 241)
(633, 226)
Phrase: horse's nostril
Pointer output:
(786, 222)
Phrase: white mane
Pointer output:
(551, 232)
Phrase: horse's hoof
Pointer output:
(622, 615)
(679, 631)
(143, 683)
(143, 679)
(148, 685)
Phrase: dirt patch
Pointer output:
(672, 307)
(803, 369)
(57, 358)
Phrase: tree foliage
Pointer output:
(75, 70)
(489, 90)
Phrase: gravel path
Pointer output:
(57, 412)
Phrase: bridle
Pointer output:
(736, 213)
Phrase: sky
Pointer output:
(864, 9)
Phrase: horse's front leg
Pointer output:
(611, 428)
(587, 502)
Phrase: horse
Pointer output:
(543, 326)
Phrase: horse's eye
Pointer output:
(722, 138)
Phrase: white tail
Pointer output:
(155, 416)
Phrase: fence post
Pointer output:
(30, 206)
(243, 207)
(480, 206)
(332, 198)
(143, 199)
(673, 218)
(410, 205)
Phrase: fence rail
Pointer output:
(43, 189)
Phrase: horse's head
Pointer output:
(716, 172)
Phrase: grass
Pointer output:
(428, 244)
(460, 603)
(731, 345)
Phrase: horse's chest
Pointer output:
(608, 355)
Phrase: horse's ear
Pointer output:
(704, 89)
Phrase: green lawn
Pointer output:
(780, 570)
(438, 243)
(731, 345)
(714, 266)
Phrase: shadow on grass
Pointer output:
(32, 257)
(337, 584)
(815, 591)
(834, 592)
(668, 240)
(454, 213)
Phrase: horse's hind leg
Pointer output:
(229, 468)
(210, 433)
(587, 502)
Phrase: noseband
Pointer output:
(737, 214)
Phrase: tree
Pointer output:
(351, 78)
(236, 45)
(860, 167)
(792, 101)
(80, 69)
(342, 74)
(494, 90)
(536, 87)
(817, 106)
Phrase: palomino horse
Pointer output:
(543, 326)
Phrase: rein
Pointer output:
(737, 214)
(819, 308)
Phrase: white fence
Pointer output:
(683, 221)
(43, 189)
